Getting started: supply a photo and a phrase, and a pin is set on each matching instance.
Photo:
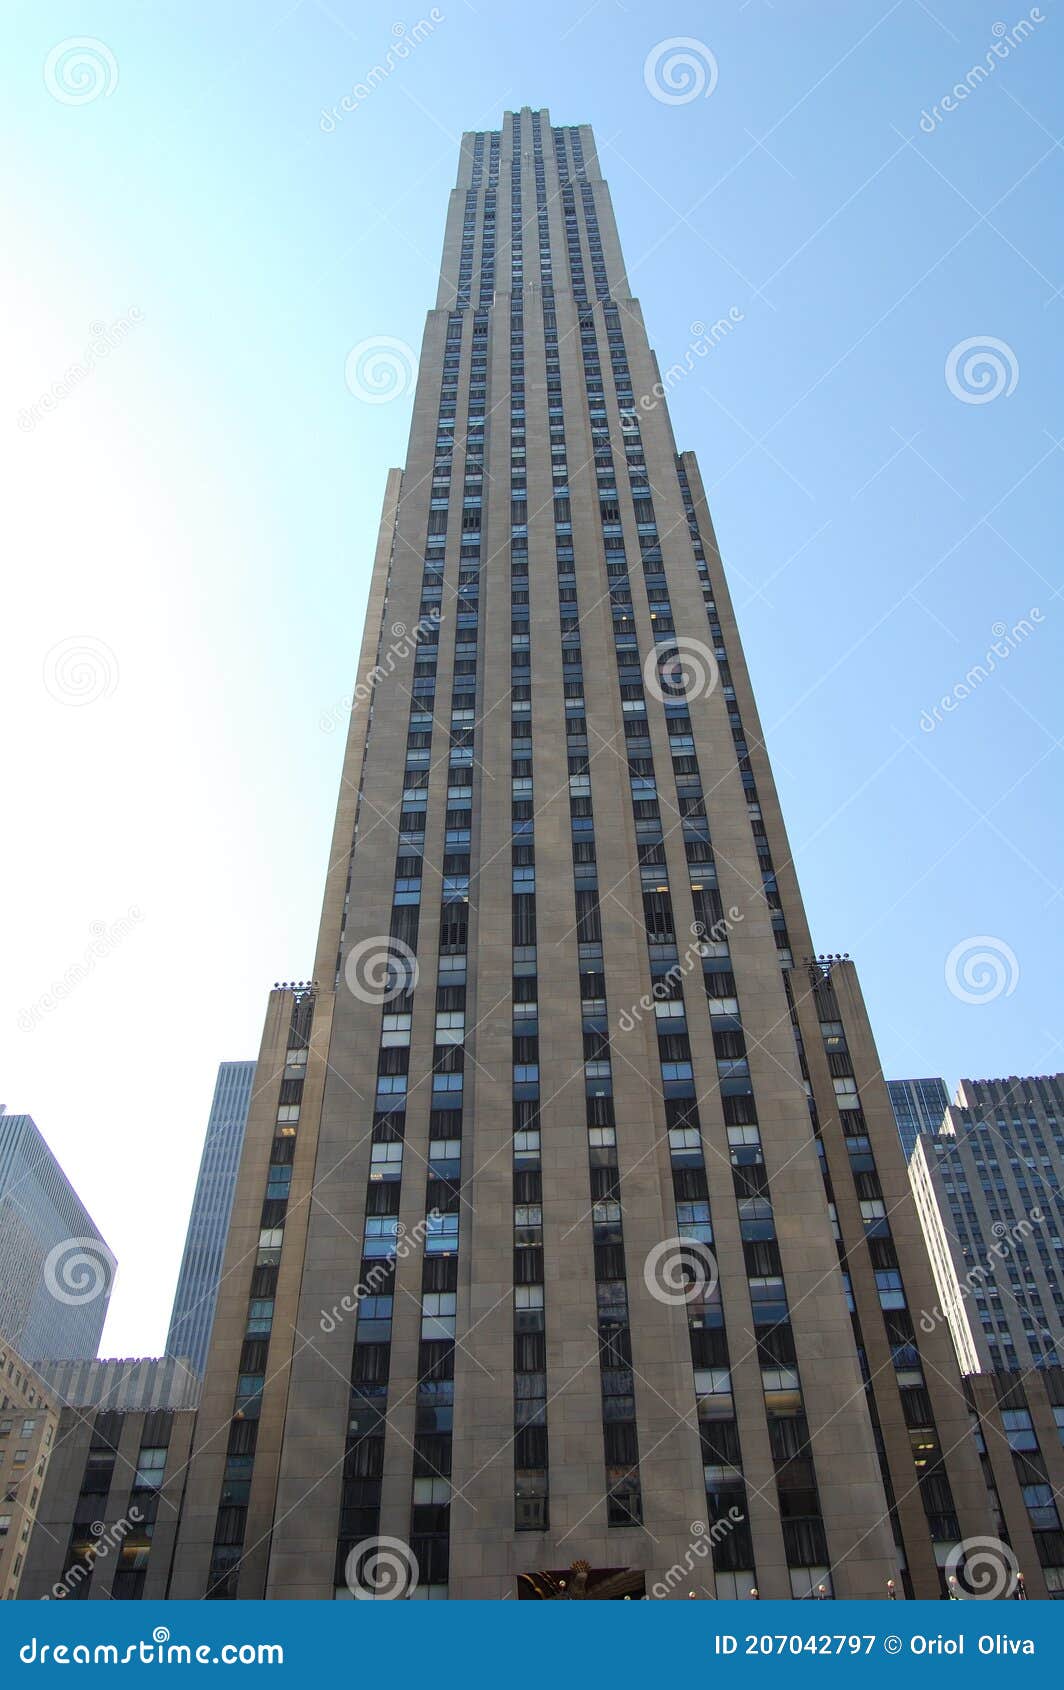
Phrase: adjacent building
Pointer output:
(988, 1191)
(201, 1265)
(108, 1516)
(1018, 1421)
(125, 1383)
(919, 1106)
(56, 1270)
(29, 1420)
(571, 1220)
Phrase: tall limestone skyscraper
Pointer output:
(572, 1224)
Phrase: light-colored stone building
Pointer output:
(29, 1420)
(988, 1192)
(572, 1222)
(108, 1516)
(124, 1383)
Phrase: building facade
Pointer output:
(56, 1270)
(125, 1383)
(29, 1421)
(108, 1516)
(201, 1265)
(1018, 1421)
(572, 1223)
(988, 1192)
(919, 1106)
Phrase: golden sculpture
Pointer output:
(580, 1584)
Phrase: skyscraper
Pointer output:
(919, 1106)
(572, 1224)
(988, 1190)
(197, 1285)
(56, 1271)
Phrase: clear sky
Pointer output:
(193, 521)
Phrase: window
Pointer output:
(528, 1224)
(5, 1524)
(151, 1463)
(279, 1180)
(260, 1317)
(270, 1241)
(530, 1499)
(27, 1428)
(1019, 1429)
(1041, 1508)
(381, 1234)
(445, 1158)
(712, 1381)
(891, 1291)
(437, 1491)
(441, 1235)
(528, 1308)
(386, 1161)
(438, 1314)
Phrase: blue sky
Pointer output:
(199, 512)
